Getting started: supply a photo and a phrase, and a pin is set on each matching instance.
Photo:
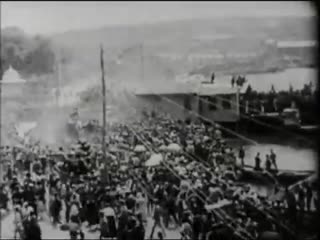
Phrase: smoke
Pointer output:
(35, 58)
(51, 127)
(29, 55)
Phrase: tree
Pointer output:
(248, 90)
(28, 55)
(273, 91)
(291, 88)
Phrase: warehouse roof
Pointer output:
(296, 44)
(202, 89)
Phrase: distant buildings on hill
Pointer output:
(303, 50)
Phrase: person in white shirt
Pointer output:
(141, 207)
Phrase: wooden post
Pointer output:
(103, 106)
(1, 173)
(142, 63)
(58, 90)
(238, 101)
(238, 107)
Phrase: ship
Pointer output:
(287, 122)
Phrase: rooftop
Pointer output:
(295, 44)
(167, 89)
(201, 89)
(12, 76)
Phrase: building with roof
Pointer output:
(12, 84)
(297, 49)
(190, 100)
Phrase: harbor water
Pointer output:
(288, 157)
(282, 80)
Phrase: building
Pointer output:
(297, 49)
(219, 103)
(12, 85)
(189, 101)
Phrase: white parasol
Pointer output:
(218, 205)
(173, 147)
(154, 160)
(185, 185)
(123, 168)
(140, 148)
(206, 138)
(162, 148)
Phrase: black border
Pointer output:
(315, 5)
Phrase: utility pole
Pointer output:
(103, 106)
(142, 62)
(1, 171)
(238, 107)
(58, 59)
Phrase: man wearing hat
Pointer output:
(158, 219)
(3, 199)
(55, 209)
(32, 228)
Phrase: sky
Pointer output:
(55, 17)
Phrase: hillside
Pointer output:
(180, 38)
(187, 30)
(79, 50)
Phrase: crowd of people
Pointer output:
(182, 175)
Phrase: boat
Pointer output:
(288, 123)
(282, 177)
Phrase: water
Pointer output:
(297, 77)
(288, 157)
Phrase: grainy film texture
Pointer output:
(158, 120)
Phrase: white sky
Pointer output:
(53, 17)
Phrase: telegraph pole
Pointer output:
(142, 62)
(238, 107)
(58, 79)
(1, 171)
(103, 106)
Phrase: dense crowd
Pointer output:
(183, 175)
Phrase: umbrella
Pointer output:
(185, 185)
(162, 148)
(111, 156)
(135, 160)
(140, 148)
(173, 147)
(206, 138)
(219, 204)
(113, 149)
(154, 160)
(123, 168)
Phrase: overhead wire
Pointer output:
(255, 120)
(283, 226)
(204, 201)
